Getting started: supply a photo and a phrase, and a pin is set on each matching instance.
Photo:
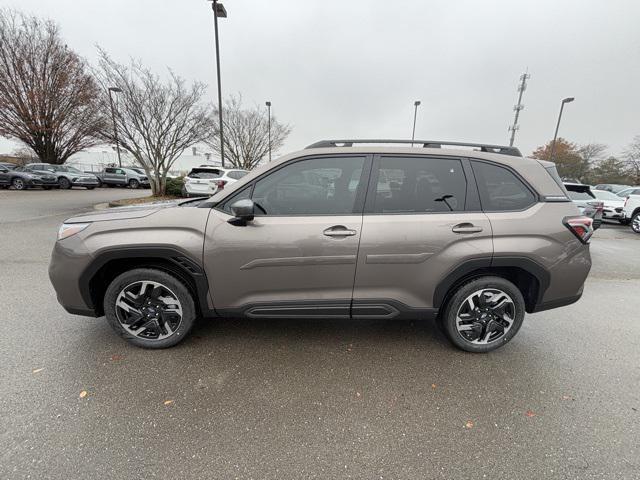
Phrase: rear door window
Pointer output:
(419, 185)
(500, 189)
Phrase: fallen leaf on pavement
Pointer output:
(530, 413)
(116, 357)
(83, 394)
(36, 370)
(469, 424)
(433, 385)
(168, 402)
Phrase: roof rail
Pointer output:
(483, 147)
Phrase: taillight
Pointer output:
(581, 227)
(220, 184)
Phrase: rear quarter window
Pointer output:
(500, 189)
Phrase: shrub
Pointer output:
(174, 186)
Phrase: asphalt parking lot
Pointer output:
(312, 399)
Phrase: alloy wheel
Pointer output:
(148, 310)
(485, 316)
(18, 184)
(635, 223)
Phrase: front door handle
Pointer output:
(339, 231)
(466, 228)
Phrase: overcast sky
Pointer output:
(354, 68)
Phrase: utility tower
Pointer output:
(522, 86)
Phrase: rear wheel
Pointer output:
(149, 308)
(64, 182)
(18, 184)
(635, 223)
(483, 314)
(133, 183)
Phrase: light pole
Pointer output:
(415, 114)
(268, 104)
(555, 136)
(219, 11)
(113, 117)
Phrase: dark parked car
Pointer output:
(20, 178)
(586, 202)
(66, 175)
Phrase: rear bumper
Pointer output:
(559, 302)
(85, 182)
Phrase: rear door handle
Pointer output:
(466, 228)
(339, 231)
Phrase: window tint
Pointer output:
(318, 186)
(110, 170)
(419, 185)
(581, 195)
(500, 189)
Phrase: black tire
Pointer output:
(133, 183)
(89, 188)
(459, 300)
(172, 284)
(18, 184)
(64, 183)
(635, 223)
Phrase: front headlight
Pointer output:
(69, 229)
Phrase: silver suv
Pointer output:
(67, 175)
(473, 238)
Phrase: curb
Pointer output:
(101, 206)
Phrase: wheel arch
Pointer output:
(531, 278)
(108, 264)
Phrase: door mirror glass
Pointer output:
(242, 211)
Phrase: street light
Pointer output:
(219, 11)
(268, 104)
(113, 117)
(415, 114)
(555, 136)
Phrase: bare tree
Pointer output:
(592, 153)
(632, 159)
(156, 120)
(47, 94)
(246, 134)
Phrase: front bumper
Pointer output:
(613, 213)
(84, 182)
(68, 259)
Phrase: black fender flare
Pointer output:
(467, 267)
(180, 262)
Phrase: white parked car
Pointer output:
(613, 205)
(632, 212)
(205, 180)
(628, 191)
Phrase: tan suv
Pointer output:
(473, 236)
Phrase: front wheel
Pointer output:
(483, 314)
(133, 183)
(149, 308)
(64, 183)
(635, 223)
(18, 184)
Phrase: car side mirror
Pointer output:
(243, 212)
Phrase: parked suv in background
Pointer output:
(631, 212)
(205, 180)
(123, 177)
(66, 175)
(472, 238)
